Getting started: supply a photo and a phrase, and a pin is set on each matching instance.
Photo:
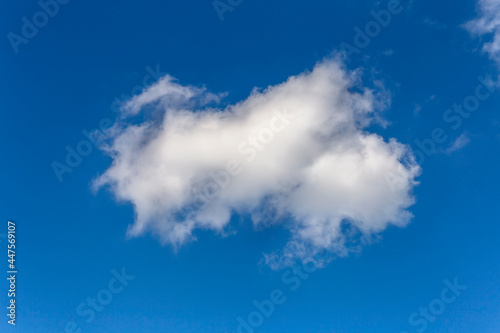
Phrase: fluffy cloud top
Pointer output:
(296, 153)
(488, 23)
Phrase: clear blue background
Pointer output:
(69, 239)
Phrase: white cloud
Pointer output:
(296, 154)
(488, 23)
(168, 94)
(459, 143)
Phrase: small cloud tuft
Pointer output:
(462, 141)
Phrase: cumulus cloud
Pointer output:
(296, 154)
(488, 23)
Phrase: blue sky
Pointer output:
(73, 239)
